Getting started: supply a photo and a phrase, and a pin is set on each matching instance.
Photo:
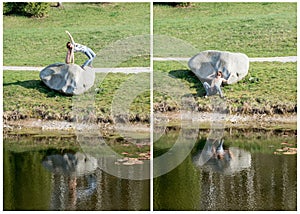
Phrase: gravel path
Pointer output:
(130, 70)
(127, 70)
(258, 59)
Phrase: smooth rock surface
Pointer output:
(207, 63)
(69, 79)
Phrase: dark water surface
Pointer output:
(253, 174)
(254, 178)
(62, 179)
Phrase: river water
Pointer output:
(256, 172)
(51, 173)
(259, 175)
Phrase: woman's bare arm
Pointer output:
(70, 36)
(71, 54)
(70, 57)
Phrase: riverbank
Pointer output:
(203, 120)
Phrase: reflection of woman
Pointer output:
(221, 153)
(217, 158)
(69, 170)
(78, 193)
(73, 195)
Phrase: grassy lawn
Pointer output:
(256, 29)
(40, 42)
(25, 96)
(273, 91)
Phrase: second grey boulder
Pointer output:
(207, 63)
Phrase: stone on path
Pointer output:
(69, 79)
(207, 63)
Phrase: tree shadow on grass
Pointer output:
(36, 85)
(190, 77)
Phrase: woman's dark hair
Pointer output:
(220, 72)
(68, 45)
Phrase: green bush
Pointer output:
(30, 9)
(37, 9)
(8, 7)
(176, 4)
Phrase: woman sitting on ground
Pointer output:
(215, 86)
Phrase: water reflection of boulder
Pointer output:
(78, 183)
(224, 161)
(73, 179)
(70, 164)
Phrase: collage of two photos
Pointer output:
(149, 106)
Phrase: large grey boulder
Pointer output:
(207, 63)
(69, 79)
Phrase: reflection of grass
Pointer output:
(164, 143)
(130, 149)
(274, 90)
(257, 29)
(60, 142)
(33, 142)
(261, 141)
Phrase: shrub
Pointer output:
(176, 4)
(30, 9)
(37, 9)
(8, 7)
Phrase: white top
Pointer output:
(79, 48)
(218, 81)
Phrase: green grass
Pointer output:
(275, 90)
(256, 29)
(40, 42)
(25, 96)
